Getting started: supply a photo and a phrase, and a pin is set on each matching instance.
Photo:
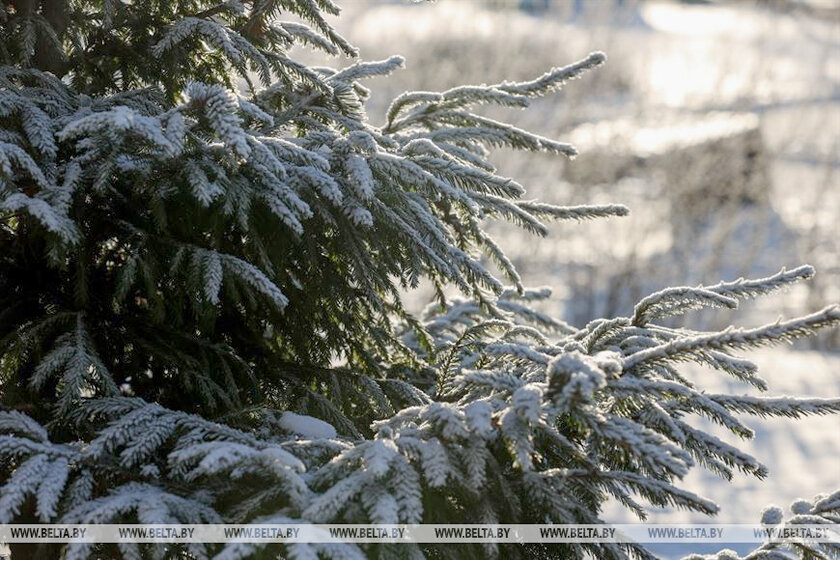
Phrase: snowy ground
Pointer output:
(668, 62)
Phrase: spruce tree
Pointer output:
(824, 509)
(203, 250)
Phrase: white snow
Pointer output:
(306, 426)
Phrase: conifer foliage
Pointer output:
(203, 247)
